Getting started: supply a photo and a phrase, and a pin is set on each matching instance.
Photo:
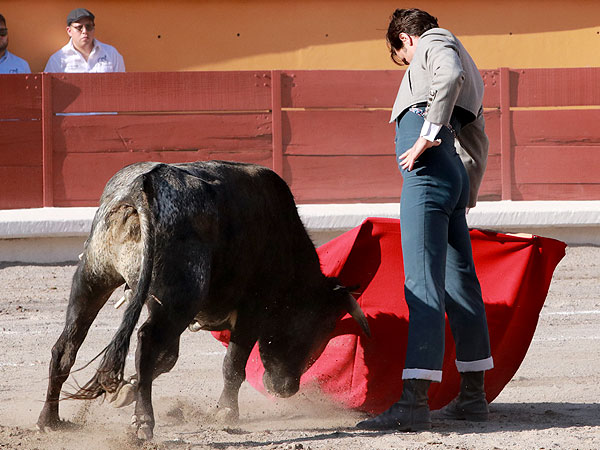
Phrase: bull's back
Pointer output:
(240, 219)
(246, 215)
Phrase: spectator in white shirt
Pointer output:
(9, 63)
(84, 53)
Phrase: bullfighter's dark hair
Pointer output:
(412, 21)
(2, 19)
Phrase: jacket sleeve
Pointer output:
(119, 63)
(447, 77)
(472, 145)
(53, 66)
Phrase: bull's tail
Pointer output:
(109, 375)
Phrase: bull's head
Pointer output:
(296, 338)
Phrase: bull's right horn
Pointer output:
(357, 313)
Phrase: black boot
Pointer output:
(471, 403)
(410, 413)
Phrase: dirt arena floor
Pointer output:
(552, 402)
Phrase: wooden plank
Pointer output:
(491, 189)
(169, 132)
(556, 191)
(561, 127)
(340, 88)
(81, 177)
(356, 88)
(162, 91)
(20, 96)
(335, 132)
(353, 132)
(363, 135)
(20, 187)
(492, 196)
(20, 143)
(557, 164)
(343, 179)
(492, 130)
(491, 82)
(555, 87)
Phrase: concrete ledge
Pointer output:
(45, 222)
(48, 235)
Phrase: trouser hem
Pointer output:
(475, 366)
(422, 374)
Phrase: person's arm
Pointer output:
(26, 68)
(408, 158)
(52, 65)
(430, 130)
(119, 63)
(447, 77)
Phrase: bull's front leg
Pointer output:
(234, 374)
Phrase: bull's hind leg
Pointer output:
(89, 292)
(156, 353)
(126, 394)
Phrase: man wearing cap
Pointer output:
(9, 63)
(84, 53)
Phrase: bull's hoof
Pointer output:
(144, 432)
(55, 425)
(194, 326)
(143, 427)
(124, 396)
(226, 416)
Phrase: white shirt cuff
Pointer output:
(430, 130)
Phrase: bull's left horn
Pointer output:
(357, 313)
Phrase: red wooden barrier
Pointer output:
(325, 132)
(20, 141)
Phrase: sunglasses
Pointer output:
(80, 28)
(3, 31)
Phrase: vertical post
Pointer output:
(506, 150)
(47, 141)
(276, 122)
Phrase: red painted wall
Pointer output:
(325, 132)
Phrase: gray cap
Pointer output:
(77, 14)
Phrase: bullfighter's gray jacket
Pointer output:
(443, 75)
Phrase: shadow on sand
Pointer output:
(503, 417)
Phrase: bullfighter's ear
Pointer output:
(358, 314)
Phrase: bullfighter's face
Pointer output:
(409, 45)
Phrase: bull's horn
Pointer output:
(357, 313)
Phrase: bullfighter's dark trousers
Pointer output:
(438, 260)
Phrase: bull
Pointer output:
(213, 245)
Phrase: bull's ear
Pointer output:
(358, 314)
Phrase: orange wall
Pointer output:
(307, 34)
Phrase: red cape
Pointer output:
(365, 373)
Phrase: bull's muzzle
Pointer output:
(281, 386)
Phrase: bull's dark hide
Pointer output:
(216, 245)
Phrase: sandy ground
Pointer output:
(552, 402)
